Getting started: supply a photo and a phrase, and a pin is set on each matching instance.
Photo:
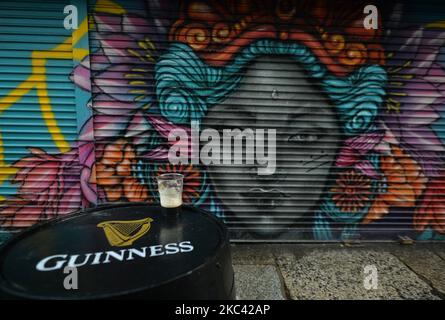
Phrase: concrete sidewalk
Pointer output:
(336, 271)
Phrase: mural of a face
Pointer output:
(357, 112)
(277, 93)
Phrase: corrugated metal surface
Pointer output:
(333, 91)
(39, 162)
(357, 113)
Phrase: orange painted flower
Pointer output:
(192, 179)
(405, 183)
(431, 211)
(351, 192)
(114, 174)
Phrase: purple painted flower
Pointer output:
(416, 93)
(122, 67)
(81, 75)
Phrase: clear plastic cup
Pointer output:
(170, 189)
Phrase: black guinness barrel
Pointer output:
(123, 251)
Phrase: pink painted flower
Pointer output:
(48, 186)
(164, 128)
(353, 151)
(86, 150)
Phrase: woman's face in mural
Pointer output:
(276, 93)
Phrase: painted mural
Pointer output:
(371, 151)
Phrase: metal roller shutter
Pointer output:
(40, 120)
(356, 112)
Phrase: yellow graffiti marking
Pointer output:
(5, 170)
(37, 80)
(79, 54)
(109, 6)
(437, 24)
(392, 105)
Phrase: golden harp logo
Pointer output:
(124, 233)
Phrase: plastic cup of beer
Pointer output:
(170, 191)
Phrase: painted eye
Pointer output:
(304, 137)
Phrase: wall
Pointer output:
(358, 113)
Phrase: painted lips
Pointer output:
(265, 198)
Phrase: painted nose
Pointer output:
(267, 174)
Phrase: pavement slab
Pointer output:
(339, 273)
(258, 282)
(439, 249)
(427, 265)
(253, 254)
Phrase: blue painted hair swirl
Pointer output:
(186, 87)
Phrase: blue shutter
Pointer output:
(41, 111)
